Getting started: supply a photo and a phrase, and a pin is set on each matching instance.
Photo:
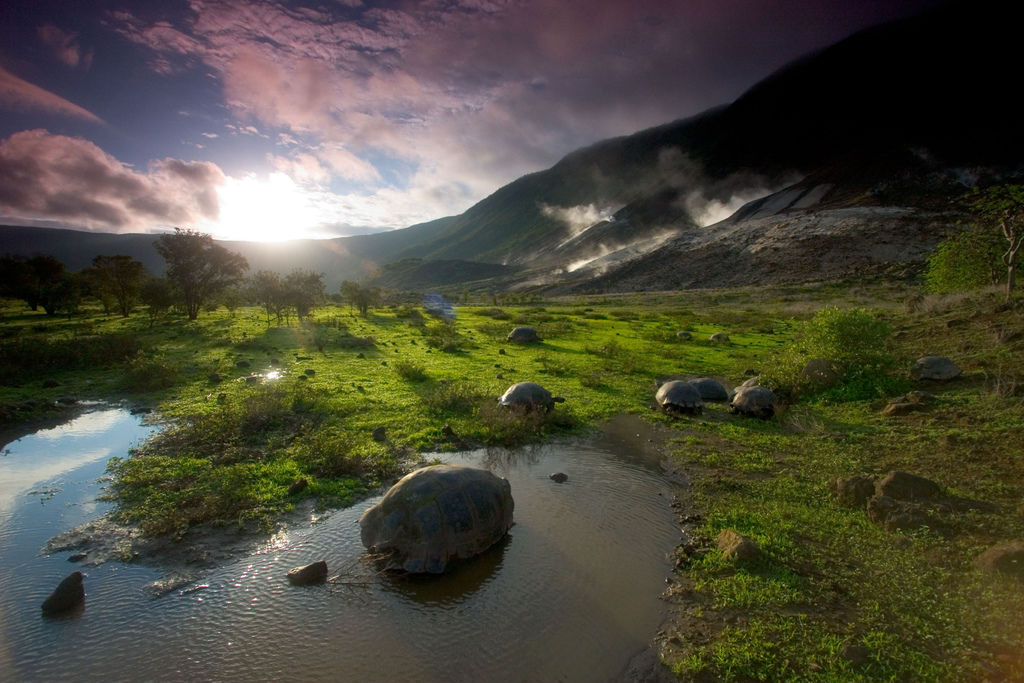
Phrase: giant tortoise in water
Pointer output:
(529, 396)
(436, 515)
(678, 397)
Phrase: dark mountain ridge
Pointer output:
(862, 143)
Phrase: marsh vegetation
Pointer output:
(255, 407)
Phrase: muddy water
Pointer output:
(570, 595)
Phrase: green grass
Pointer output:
(910, 605)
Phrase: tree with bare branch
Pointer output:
(1003, 206)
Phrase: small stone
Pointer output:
(242, 364)
(857, 655)
(69, 594)
(380, 434)
(904, 486)
(894, 515)
(719, 338)
(903, 408)
(1006, 558)
(853, 491)
(310, 372)
(214, 378)
(684, 335)
(736, 546)
(77, 557)
(298, 486)
(252, 379)
(308, 575)
(559, 477)
(140, 410)
(275, 361)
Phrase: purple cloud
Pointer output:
(71, 179)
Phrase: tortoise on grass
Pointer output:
(754, 401)
(523, 335)
(529, 396)
(679, 398)
(710, 389)
(438, 514)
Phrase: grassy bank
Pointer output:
(259, 409)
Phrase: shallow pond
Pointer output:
(570, 595)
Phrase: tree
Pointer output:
(304, 289)
(268, 291)
(349, 290)
(198, 267)
(968, 259)
(157, 294)
(1003, 206)
(36, 280)
(118, 278)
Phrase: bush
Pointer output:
(458, 398)
(967, 260)
(854, 340)
(408, 370)
(145, 372)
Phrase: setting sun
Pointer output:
(270, 209)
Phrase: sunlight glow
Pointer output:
(270, 209)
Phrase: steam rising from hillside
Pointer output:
(578, 218)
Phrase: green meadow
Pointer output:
(261, 415)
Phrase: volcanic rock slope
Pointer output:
(848, 161)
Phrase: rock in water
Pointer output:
(70, 593)
(436, 515)
(559, 477)
(308, 575)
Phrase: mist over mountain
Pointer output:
(843, 162)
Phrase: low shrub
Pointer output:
(149, 372)
(410, 371)
(854, 341)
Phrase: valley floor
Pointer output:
(345, 403)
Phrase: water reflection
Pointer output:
(570, 594)
(456, 585)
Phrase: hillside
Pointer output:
(859, 145)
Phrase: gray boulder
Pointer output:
(934, 368)
(719, 338)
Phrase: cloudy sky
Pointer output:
(274, 120)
